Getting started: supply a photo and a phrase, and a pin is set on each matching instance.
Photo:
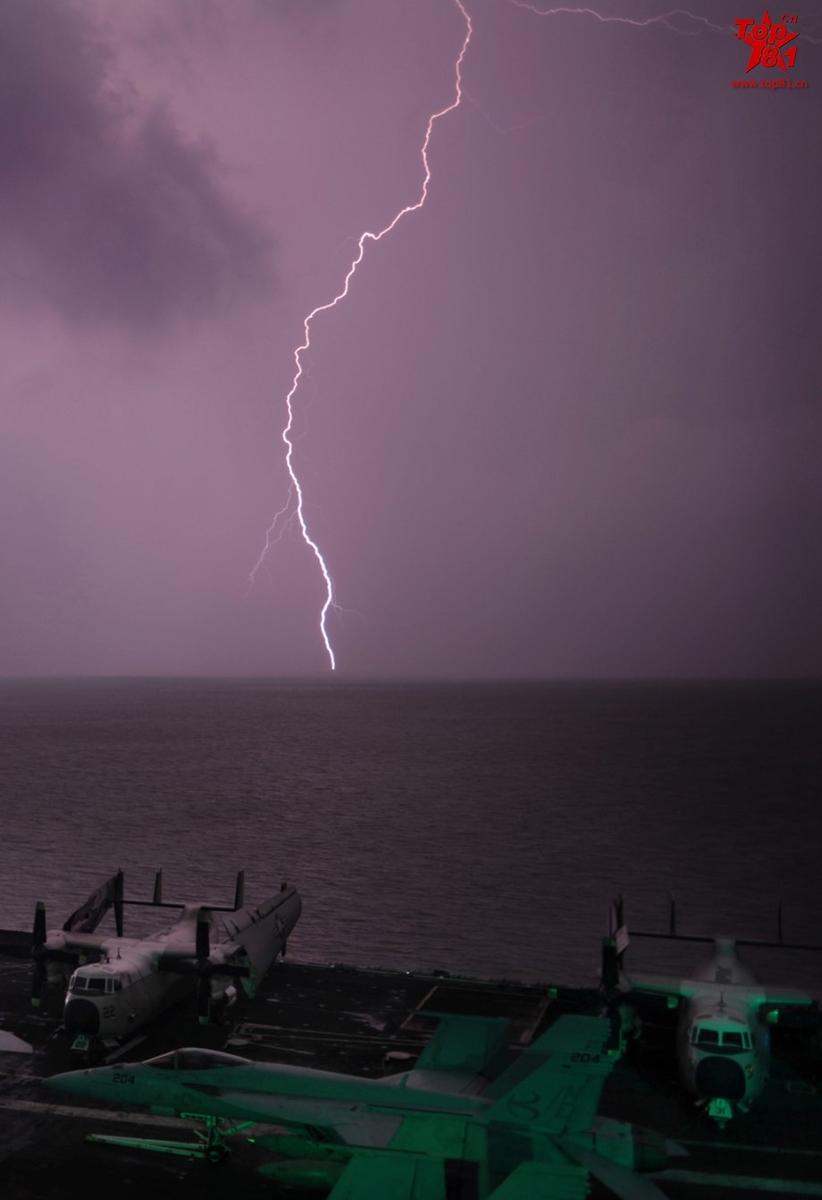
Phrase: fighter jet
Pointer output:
(132, 979)
(723, 1037)
(526, 1130)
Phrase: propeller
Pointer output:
(38, 935)
(203, 951)
(204, 999)
(202, 941)
(43, 954)
(38, 982)
(203, 966)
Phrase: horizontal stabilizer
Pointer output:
(463, 1043)
(617, 923)
(618, 1179)
(532, 1179)
(398, 1176)
(156, 900)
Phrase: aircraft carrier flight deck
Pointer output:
(367, 1021)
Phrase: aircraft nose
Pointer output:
(81, 1016)
(720, 1077)
(67, 1082)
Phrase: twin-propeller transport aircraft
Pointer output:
(132, 979)
(723, 1033)
(530, 1129)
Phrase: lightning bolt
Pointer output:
(665, 19)
(295, 489)
(639, 23)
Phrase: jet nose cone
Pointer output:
(67, 1082)
(81, 1016)
(720, 1077)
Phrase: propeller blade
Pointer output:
(38, 936)
(157, 898)
(204, 1000)
(38, 982)
(203, 943)
(239, 890)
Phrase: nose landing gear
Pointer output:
(720, 1110)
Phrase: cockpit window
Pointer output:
(201, 1060)
(163, 1062)
(732, 1039)
(96, 984)
(708, 1037)
(77, 983)
(195, 1060)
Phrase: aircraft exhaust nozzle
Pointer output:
(650, 1151)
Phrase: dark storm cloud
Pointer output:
(106, 212)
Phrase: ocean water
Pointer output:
(480, 828)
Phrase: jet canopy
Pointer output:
(195, 1060)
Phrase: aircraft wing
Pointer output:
(660, 985)
(399, 1176)
(83, 943)
(775, 996)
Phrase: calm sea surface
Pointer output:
(477, 828)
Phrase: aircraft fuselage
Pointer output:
(723, 1044)
(135, 979)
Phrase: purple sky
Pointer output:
(566, 423)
